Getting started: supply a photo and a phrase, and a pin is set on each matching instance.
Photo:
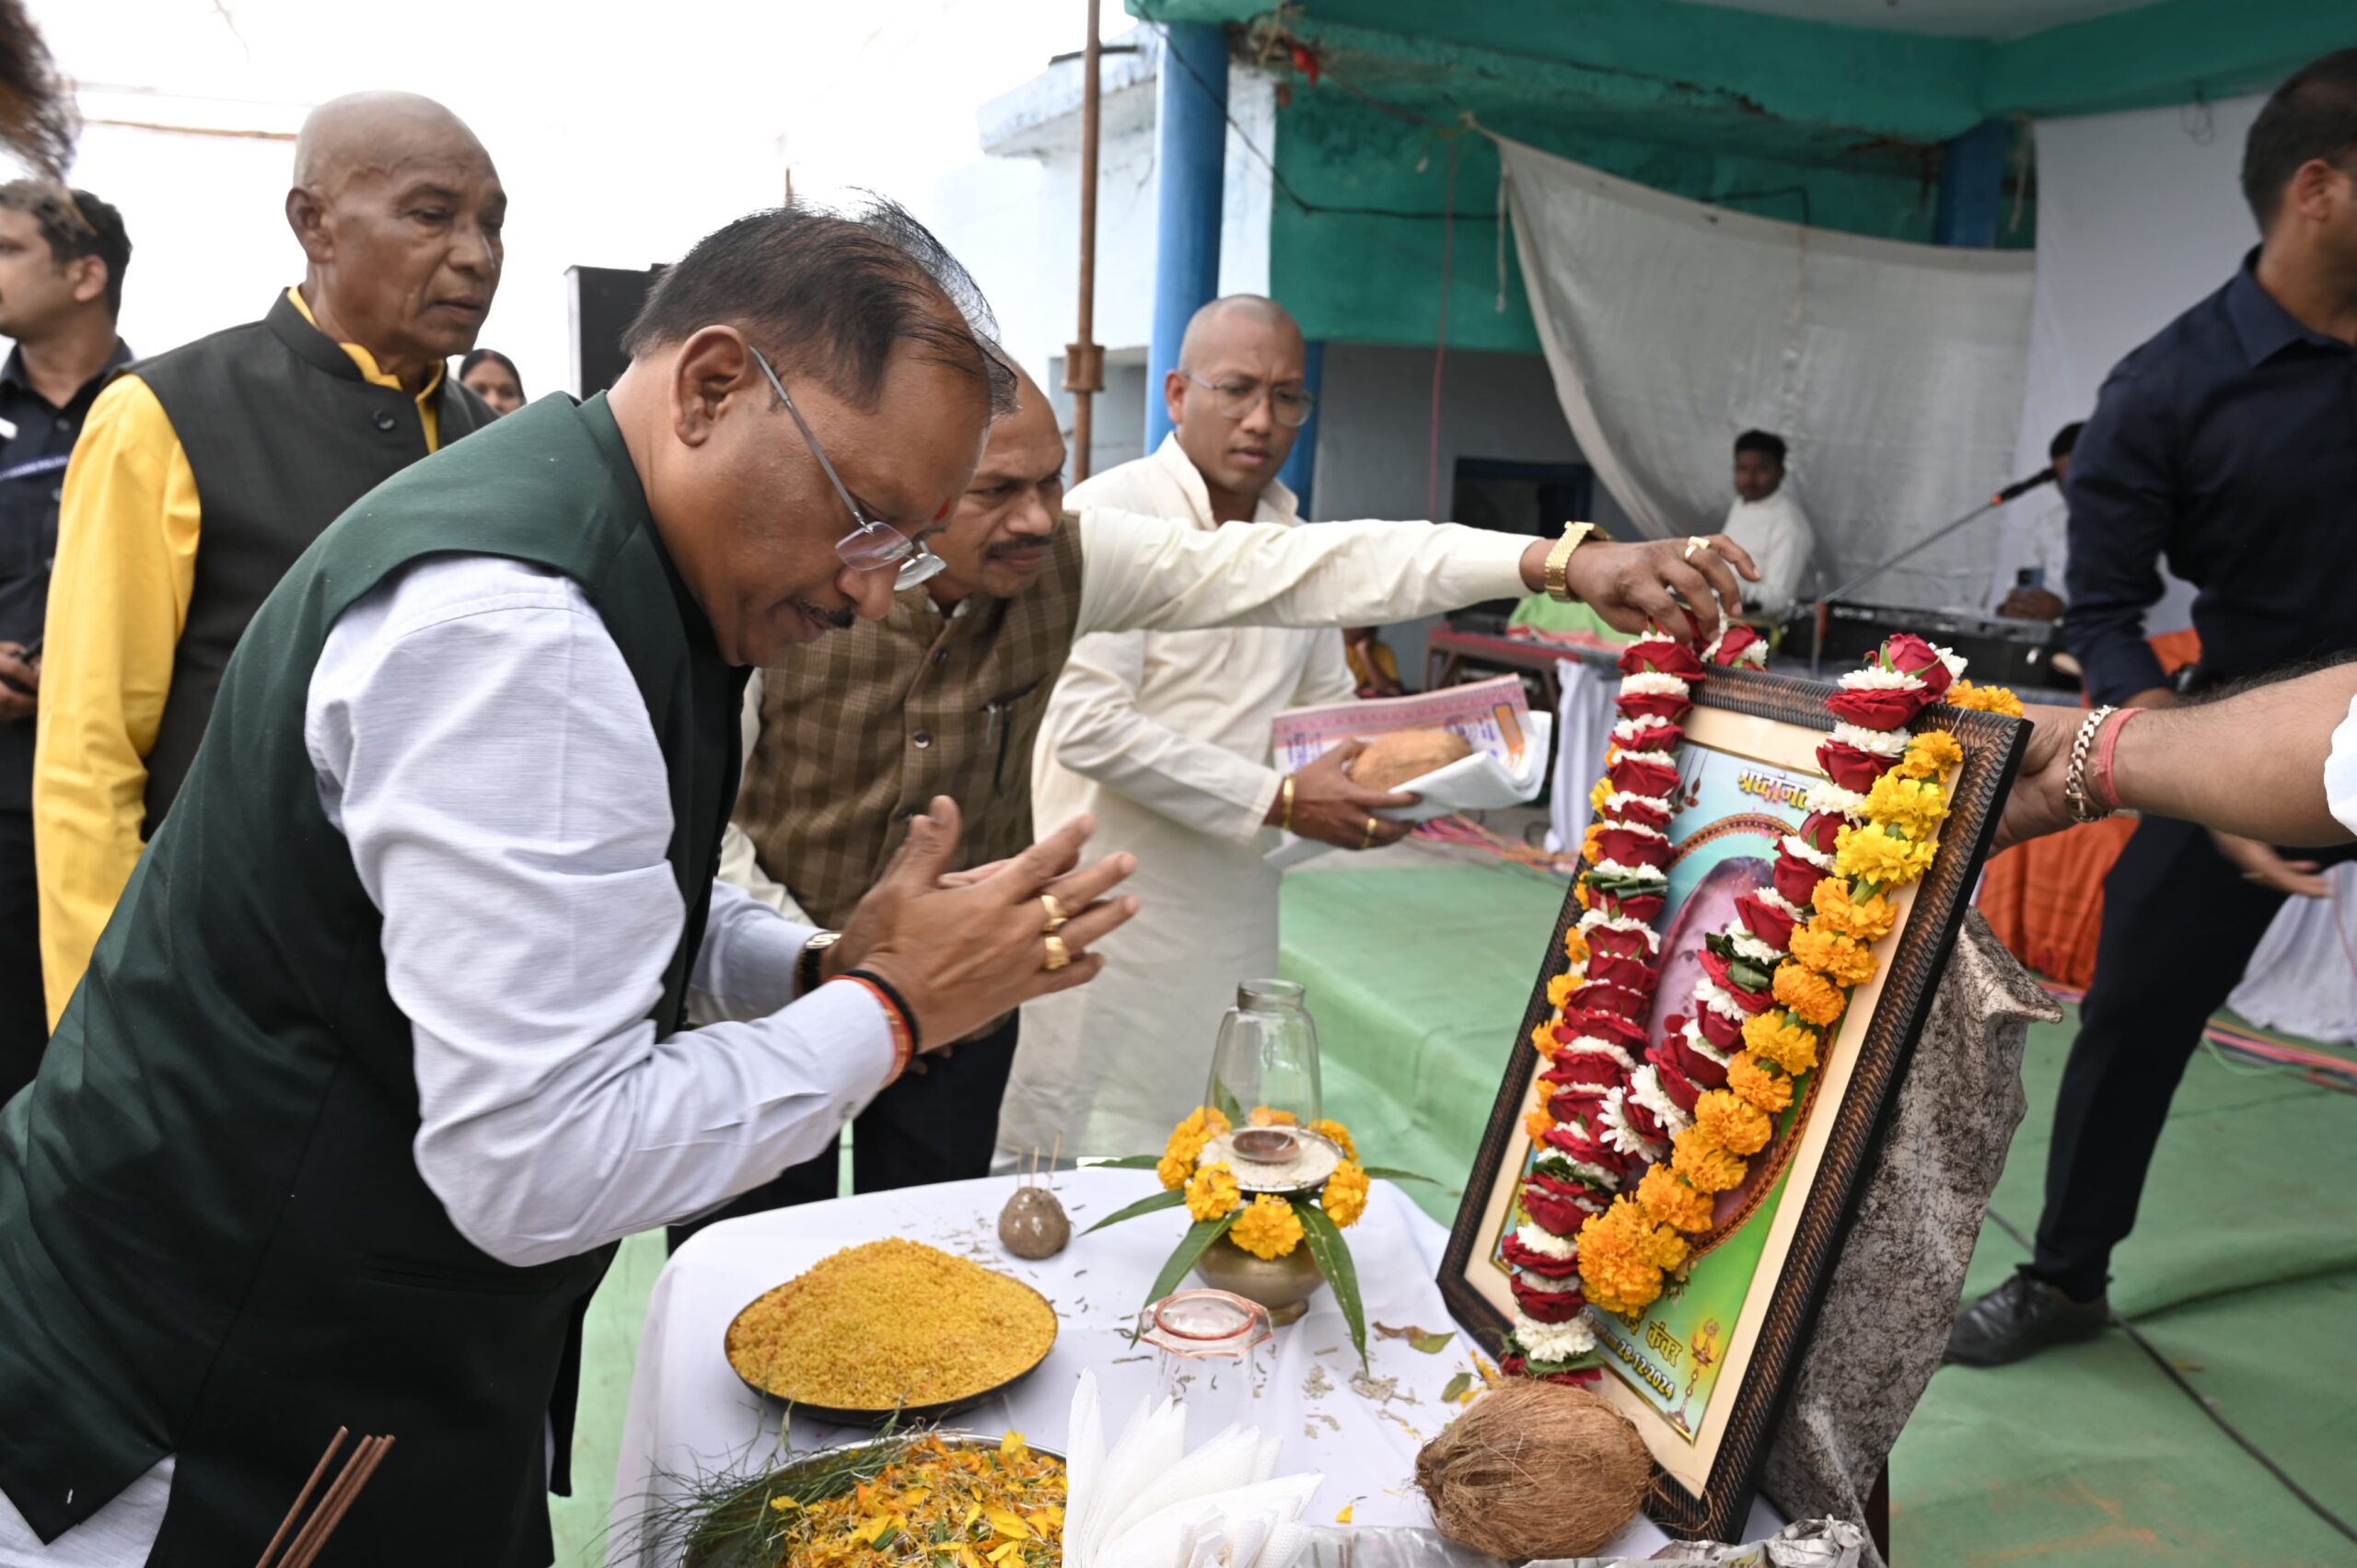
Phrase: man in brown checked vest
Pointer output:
(944, 696)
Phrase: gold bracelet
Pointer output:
(1285, 795)
(1559, 560)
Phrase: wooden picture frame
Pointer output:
(1707, 1464)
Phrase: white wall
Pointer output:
(2139, 216)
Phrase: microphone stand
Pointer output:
(1821, 610)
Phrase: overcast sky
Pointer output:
(622, 131)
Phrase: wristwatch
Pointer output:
(1559, 560)
(814, 952)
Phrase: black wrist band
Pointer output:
(908, 1015)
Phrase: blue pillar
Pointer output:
(1192, 156)
(1301, 463)
(1972, 186)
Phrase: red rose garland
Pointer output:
(1588, 1134)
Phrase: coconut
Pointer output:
(1033, 1225)
(1390, 761)
(1535, 1470)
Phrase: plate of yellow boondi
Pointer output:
(891, 1327)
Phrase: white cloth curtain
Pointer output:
(1893, 371)
(2138, 215)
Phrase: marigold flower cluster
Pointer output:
(1214, 1193)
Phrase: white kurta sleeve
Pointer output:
(2341, 771)
(1095, 727)
(482, 749)
(1166, 575)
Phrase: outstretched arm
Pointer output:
(2276, 763)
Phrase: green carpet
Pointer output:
(1418, 979)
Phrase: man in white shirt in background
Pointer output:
(2032, 590)
(1768, 522)
(1162, 735)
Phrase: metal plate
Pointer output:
(841, 1416)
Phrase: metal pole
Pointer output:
(1084, 360)
(1816, 653)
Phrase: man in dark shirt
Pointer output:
(2227, 443)
(62, 259)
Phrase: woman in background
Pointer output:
(491, 375)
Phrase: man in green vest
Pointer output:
(379, 1054)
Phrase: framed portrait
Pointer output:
(1703, 1371)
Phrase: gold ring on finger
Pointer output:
(1058, 954)
(1372, 825)
(1056, 917)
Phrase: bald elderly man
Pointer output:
(203, 473)
(944, 696)
(1162, 735)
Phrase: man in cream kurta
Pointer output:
(1164, 737)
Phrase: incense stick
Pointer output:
(287, 1523)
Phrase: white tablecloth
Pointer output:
(689, 1412)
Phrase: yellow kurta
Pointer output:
(127, 529)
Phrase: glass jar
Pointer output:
(1215, 1353)
(1264, 1068)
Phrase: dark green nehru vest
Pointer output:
(213, 1238)
(281, 434)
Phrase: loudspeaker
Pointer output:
(603, 301)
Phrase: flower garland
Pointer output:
(1778, 978)
(1587, 1139)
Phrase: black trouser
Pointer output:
(24, 1017)
(940, 1124)
(2179, 925)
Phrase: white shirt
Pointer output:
(1776, 534)
(1162, 734)
(482, 748)
(2341, 771)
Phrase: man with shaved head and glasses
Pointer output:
(382, 1051)
(946, 694)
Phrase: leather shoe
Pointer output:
(2021, 1317)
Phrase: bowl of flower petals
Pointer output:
(840, 1342)
(926, 1499)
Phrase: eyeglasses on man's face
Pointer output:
(874, 544)
(1236, 397)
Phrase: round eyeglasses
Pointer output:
(874, 544)
(1236, 400)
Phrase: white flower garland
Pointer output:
(1567, 1341)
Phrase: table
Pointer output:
(1448, 649)
(689, 1410)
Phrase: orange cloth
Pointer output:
(2044, 899)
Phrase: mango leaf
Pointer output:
(1386, 1173)
(1191, 1247)
(1170, 1200)
(1127, 1162)
(1333, 1256)
(1458, 1386)
(1430, 1344)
